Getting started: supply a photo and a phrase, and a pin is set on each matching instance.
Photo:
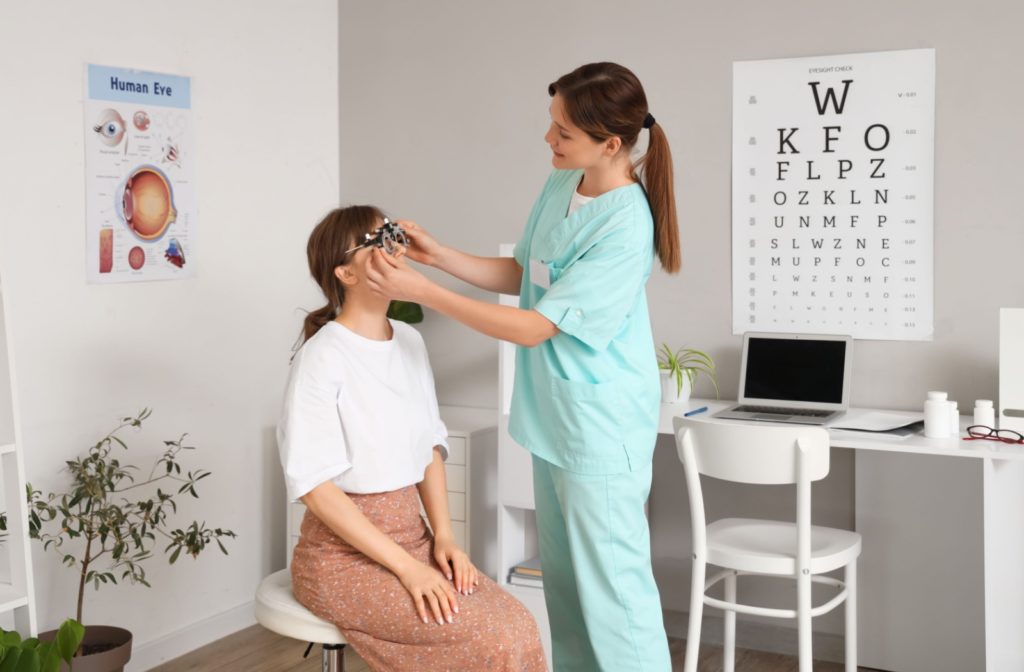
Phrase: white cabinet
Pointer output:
(17, 597)
(472, 447)
(471, 457)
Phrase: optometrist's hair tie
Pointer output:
(649, 120)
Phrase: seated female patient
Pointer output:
(362, 443)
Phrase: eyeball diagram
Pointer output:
(141, 120)
(136, 258)
(146, 202)
(109, 127)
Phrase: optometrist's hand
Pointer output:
(454, 563)
(430, 590)
(393, 277)
(423, 247)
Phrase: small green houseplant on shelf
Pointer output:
(107, 523)
(679, 371)
(405, 311)
(33, 655)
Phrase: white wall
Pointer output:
(443, 110)
(209, 354)
(444, 106)
(6, 409)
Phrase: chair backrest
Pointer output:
(746, 453)
(763, 454)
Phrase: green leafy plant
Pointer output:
(31, 655)
(119, 532)
(405, 311)
(687, 362)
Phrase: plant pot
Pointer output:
(670, 394)
(112, 646)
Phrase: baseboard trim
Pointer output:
(756, 636)
(749, 635)
(191, 637)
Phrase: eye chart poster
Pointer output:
(140, 176)
(832, 195)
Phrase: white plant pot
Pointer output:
(669, 393)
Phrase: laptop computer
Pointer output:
(800, 378)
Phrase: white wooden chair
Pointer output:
(764, 454)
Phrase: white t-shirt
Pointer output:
(577, 201)
(359, 412)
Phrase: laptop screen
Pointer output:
(795, 370)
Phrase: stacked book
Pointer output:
(527, 573)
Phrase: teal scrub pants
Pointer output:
(603, 604)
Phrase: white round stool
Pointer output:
(279, 611)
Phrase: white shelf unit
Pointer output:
(472, 443)
(517, 530)
(17, 597)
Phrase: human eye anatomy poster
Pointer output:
(832, 187)
(140, 176)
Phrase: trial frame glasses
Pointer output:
(388, 236)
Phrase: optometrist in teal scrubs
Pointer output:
(586, 396)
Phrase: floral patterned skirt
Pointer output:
(492, 631)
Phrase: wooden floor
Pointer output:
(258, 650)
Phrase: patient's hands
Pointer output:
(423, 248)
(455, 565)
(431, 593)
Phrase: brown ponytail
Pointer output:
(656, 166)
(607, 100)
(339, 231)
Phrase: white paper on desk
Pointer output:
(853, 435)
(876, 421)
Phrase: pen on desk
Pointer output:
(695, 411)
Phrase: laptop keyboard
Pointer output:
(778, 410)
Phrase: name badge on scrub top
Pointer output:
(540, 274)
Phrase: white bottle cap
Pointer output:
(952, 404)
(983, 403)
(937, 395)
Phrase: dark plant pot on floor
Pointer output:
(105, 648)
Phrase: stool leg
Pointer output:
(333, 658)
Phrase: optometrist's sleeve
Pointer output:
(594, 295)
(309, 434)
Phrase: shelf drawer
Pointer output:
(456, 477)
(456, 450)
(457, 505)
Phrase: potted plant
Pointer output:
(33, 655)
(679, 371)
(405, 311)
(107, 523)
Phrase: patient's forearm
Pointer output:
(337, 511)
(433, 491)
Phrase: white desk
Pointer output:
(1002, 468)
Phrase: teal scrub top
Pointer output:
(587, 400)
